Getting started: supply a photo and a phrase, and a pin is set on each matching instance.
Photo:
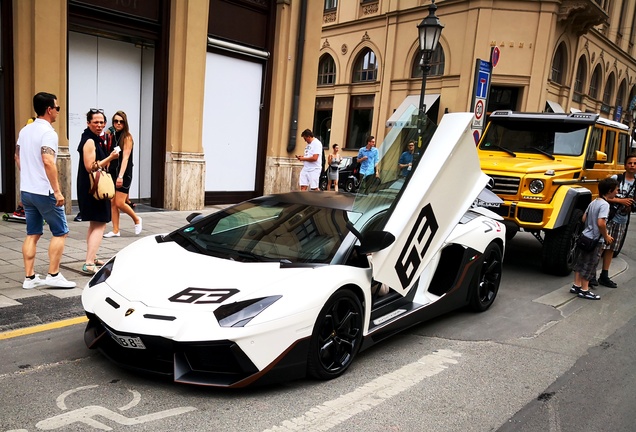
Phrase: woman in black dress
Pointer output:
(93, 153)
(121, 170)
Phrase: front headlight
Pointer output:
(240, 313)
(103, 273)
(536, 186)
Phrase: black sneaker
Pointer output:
(607, 282)
(575, 289)
(593, 282)
(589, 295)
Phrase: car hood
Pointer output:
(441, 189)
(165, 275)
(519, 165)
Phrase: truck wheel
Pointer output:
(559, 246)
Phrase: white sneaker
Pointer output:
(138, 227)
(112, 234)
(58, 281)
(33, 283)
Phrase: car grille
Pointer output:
(506, 185)
(530, 215)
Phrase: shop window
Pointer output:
(609, 89)
(437, 64)
(620, 96)
(595, 83)
(366, 67)
(559, 64)
(360, 121)
(322, 119)
(326, 71)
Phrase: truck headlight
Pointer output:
(536, 186)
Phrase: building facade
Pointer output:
(213, 89)
(218, 91)
(554, 55)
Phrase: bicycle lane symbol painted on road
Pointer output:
(87, 415)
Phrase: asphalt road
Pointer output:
(538, 360)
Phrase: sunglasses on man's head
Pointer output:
(96, 110)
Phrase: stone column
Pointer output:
(185, 164)
(40, 65)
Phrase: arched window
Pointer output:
(326, 71)
(581, 75)
(366, 67)
(620, 95)
(559, 64)
(595, 82)
(437, 63)
(609, 89)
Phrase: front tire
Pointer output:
(485, 283)
(337, 336)
(559, 246)
(350, 185)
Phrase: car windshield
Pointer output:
(546, 138)
(269, 229)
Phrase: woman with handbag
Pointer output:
(94, 155)
(121, 171)
(333, 172)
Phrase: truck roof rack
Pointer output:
(580, 117)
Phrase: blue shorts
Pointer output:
(40, 208)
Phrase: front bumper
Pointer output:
(211, 363)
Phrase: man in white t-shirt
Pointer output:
(312, 162)
(40, 194)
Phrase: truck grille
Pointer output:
(506, 185)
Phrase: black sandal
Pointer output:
(589, 295)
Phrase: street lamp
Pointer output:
(430, 29)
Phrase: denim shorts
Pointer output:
(40, 208)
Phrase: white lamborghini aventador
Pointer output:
(284, 286)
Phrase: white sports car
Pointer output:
(284, 286)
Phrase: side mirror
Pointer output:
(598, 156)
(374, 241)
(192, 216)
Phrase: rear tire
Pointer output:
(485, 283)
(337, 336)
(350, 185)
(559, 246)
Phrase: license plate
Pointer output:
(128, 341)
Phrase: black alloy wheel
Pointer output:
(337, 336)
(486, 282)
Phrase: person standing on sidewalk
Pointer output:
(617, 226)
(312, 166)
(40, 194)
(93, 155)
(121, 170)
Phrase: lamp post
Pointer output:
(430, 29)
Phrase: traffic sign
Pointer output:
(494, 56)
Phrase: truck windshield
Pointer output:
(545, 138)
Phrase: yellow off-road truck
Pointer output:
(546, 168)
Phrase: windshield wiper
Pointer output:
(543, 152)
(510, 152)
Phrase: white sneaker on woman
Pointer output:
(111, 234)
(138, 227)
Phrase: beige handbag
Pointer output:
(102, 185)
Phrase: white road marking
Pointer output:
(331, 413)
(133, 402)
(61, 404)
